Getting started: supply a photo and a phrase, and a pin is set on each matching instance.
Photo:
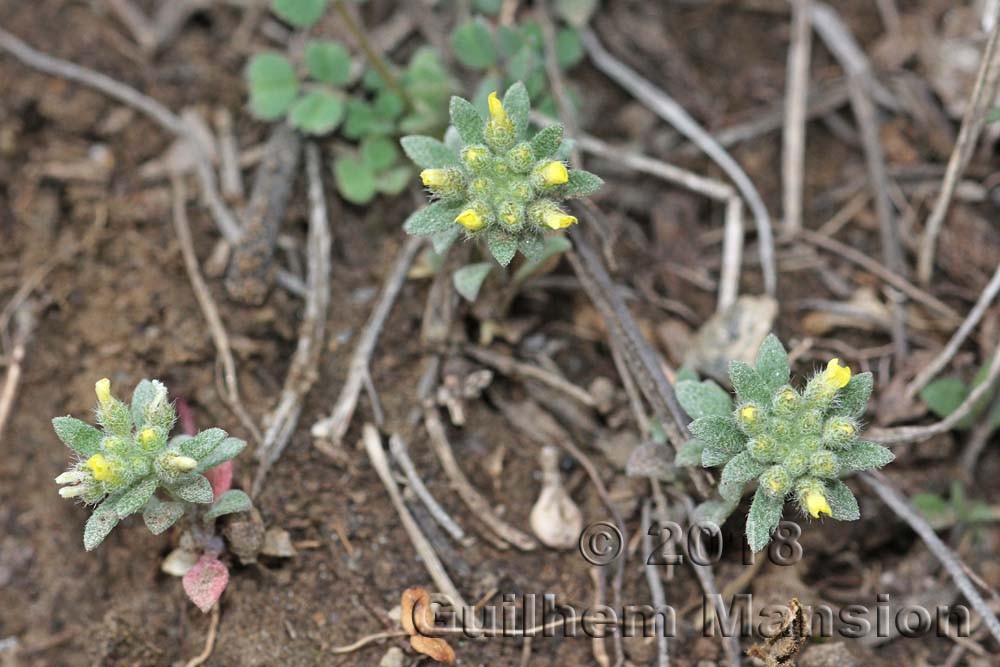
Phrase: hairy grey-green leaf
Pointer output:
(747, 383)
(230, 502)
(547, 141)
(136, 497)
(469, 279)
(714, 455)
(715, 510)
(145, 393)
(772, 364)
(79, 436)
(502, 245)
(433, 219)
(719, 430)
(227, 449)
(195, 490)
(581, 184)
(843, 504)
(852, 399)
(863, 455)
(741, 469)
(690, 453)
(429, 153)
(467, 121)
(473, 44)
(517, 104)
(702, 399)
(159, 515)
(442, 240)
(731, 491)
(764, 516)
(99, 525)
(202, 444)
(299, 13)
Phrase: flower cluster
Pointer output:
(490, 181)
(121, 465)
(793, 443)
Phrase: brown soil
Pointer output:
(123, 308)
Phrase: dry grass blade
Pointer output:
(963, 331)
(334, 427)
(665, 107)
(510, 366)
(24, 325)
(376, 454)
(914, 434)
(655, 585)
(983, 95)
(881, 485)
(794, 136)
(401, 454)
(211, 312)
(463, 487)
(303, 369)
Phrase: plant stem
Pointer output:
(373, 56)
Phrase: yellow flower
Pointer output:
(100, 467)
(558, 220)
(748, 414)
(147, 436)
(470, 220)
(817, 505)
(434, 178)
(103, 390)
(497, 112)
(837, 374)
(775, 485)
(554, 173)
(845, 429)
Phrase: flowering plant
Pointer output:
(490, 181)
(121, 465)
(794, 444)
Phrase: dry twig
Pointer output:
(210, 311)
(334, 427)
(213, 628)
(794, 135)
(302, 371)
(373, 445)
(944, 356)
(655, 585)
(665, 107)
(983, 95)
(163, 116)
(881, 485)
(24, 326)
(399, 451)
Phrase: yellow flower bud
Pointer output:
(558, 220)
(497, 112)
(103, 391)
(554, 173)
(748, 414)
(470, 220)
(434, 178)
(100, 467)
(837, 374)
(147, 436)
(181, 463)
(817, 505)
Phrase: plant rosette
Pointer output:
(794, 444)
(490, 182)
(122, 465)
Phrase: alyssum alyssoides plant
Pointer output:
(491, 182)
(121, 465)
(793, 443)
